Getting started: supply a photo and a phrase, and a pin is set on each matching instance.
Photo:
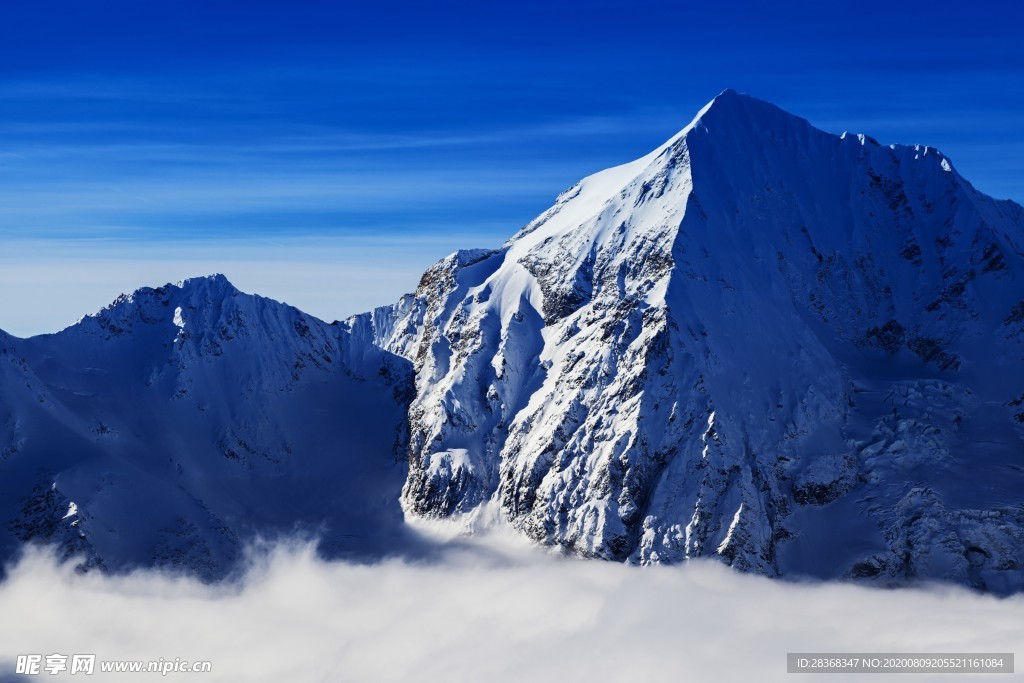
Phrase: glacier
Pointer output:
(795, 352)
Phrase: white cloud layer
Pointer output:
(486, 610)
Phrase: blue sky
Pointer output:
(325, 152)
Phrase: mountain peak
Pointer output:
(150, 304)
(731, 98)
(700, 352)
(216, 282)
(206, 287)
(734, 110)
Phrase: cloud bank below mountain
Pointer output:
(483, 609)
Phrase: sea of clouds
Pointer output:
(482, 609)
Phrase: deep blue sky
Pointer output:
(205, 128)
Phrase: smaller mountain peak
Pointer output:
(467, 257)
(150, 304)
(214, 282)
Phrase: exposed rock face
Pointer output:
(795, 351)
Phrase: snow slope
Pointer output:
(798, 352)
(180, 422)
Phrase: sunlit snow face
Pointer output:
(486, 610)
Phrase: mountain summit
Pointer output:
(794, 351)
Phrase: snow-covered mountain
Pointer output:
(798, 352)
(180, 422)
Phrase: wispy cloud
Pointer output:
(158, 176)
